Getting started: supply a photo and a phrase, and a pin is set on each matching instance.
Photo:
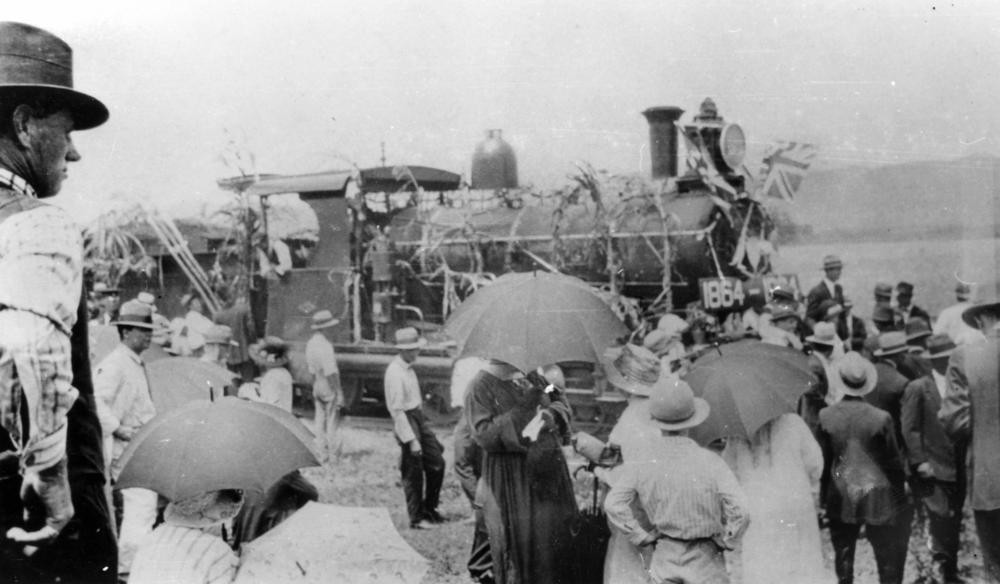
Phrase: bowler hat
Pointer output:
(832, 261)
(631, 368)
(891, 344)
(409, 338)
(135, 314)
(854, 375)
(323, 319)
(938, 347)
(36, 62)
(673, 406)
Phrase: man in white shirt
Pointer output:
(124, 405)
(421, 459)
(950, 321)
(328, 396)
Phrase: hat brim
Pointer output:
(969, 314)
(920, 335)
(896, 351)
(871, 379)
(88, 112)
(943, 354)
(817, 341)
(414, 345)
(134, 324)
(325, 325)
(701, 411)
(618, 380)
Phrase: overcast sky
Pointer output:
(314, 85)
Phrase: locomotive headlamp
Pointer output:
(732, 145)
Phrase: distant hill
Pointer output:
(932, 199)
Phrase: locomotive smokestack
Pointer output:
(663, 139)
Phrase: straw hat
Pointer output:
(323, 319)
(673, 406)
(36, 62)
(135, 314)
(917, 328)
(891, 343)
(825, 333)
(854, 375)
(831, 261)
(939, 347)
(205, 509)
(409, 338)
(631, 368)
(883, 290)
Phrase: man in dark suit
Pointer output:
(864, 475)
(905, 306)
(912, 364)
(888, 393)
(969, 412)
(827, 289)
(934, 460)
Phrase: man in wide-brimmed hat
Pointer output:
(864, 474)
(828, 288)
(693, 501)
(275, 386)
(421, 460)
(912, 363)
(782, 328)
(888, 392)
(41, 290)
(934, 460)
(124, 406)
(328, 395)
(969, 415)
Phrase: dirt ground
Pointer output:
(367, 476)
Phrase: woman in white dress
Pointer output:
(779, 471)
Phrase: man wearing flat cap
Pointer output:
(43, 337)
(827, 289)
(969, 415)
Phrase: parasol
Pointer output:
(178, 380)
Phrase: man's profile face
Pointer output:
(138, 339)
(833, 274)
(49, 151)
(409, 355)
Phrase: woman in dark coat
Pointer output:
(526, 491)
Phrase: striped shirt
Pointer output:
(173, 554)
(688, 493)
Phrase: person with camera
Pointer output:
(521, 422)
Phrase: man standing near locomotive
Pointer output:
(421, 460)
(51, 434)
(328, 396)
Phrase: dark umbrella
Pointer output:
(226, 444)
(747, 384)
(178, 380)
(535, 319)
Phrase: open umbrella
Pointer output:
(226, 444)
(747, 384)
(179, 380)
(535, 319)
(326, 543)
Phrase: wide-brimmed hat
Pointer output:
(409, 338)
(780, 310)
(673, 406)
(938, 347)
(854, 374)
(135, 314)
(825, 333)
(205, 509)
(917, 328)
(323, 319)
(631, 368)
(147, 298)
(891, 343)
(970, 314)
(832, 261)
(271, 351)
(883, 290)
(36, 62)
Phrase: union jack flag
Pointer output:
(784, 166)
